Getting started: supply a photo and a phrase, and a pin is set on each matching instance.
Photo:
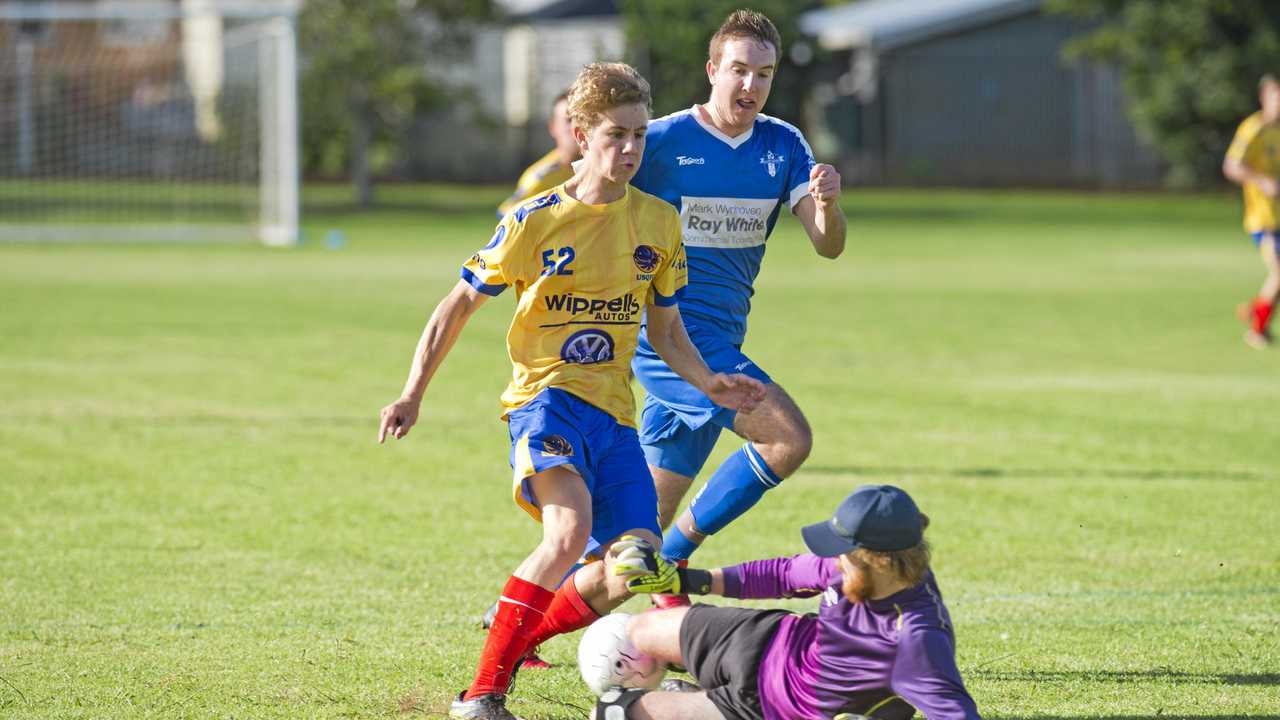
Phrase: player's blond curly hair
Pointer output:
(604, 86)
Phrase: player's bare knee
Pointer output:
(789, 448)
(568, 540)
(657, 633)
(640, 630)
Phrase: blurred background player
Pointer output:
(553, 168)
(729, 170)
(1253, 161)
(578, 467)
(881, 644)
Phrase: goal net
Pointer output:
(148, 120)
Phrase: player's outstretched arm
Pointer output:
(820, 212)
(668, 336)
(442, 330)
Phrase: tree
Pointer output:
(365, 77)
(671, 36)
(1190, 70)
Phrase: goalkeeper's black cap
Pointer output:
(882, 518)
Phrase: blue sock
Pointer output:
(733, 489)
(676, 546)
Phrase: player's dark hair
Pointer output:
(747, 24)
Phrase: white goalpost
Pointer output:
(149, 120)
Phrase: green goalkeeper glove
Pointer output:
(647, 572)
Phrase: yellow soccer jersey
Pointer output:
(544, 174)
(1257, 145)
(582, 275)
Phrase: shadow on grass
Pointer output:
(1175, 677)
(1046, 473)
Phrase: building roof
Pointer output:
(527, 11)
(887, 24)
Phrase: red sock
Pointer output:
(568, 612)
(520, 612)
(1261, 315)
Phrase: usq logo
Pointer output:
(683, 160)
(557, 446)
(645, 258)
(773, 161)
(587, 347)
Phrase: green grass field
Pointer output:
(197, 522)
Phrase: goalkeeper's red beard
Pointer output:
(857, 585)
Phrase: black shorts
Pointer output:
(722, 648)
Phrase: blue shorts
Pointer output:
(679, 425)
(1269, 235)
(559, 428)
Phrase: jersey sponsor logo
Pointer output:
(725, 222)
(683, 160)
(830, 596)
(531, 207)
(645, 258)
(773, 160)
(587, 347)
(556, 446)
(743, 365)
(624, 307)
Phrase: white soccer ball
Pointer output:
(608, 659)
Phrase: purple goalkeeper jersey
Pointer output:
(850, 656)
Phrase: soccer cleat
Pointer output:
(1257, 340)
(533, 661)
(492, 706)
(614, 702)
(678, 685)
(663, 601)
(487, 619)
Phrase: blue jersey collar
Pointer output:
(732, 142)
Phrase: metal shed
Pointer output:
(971, 92)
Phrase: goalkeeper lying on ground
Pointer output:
(881, 643)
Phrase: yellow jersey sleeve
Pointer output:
(673, 273)
(499, 264)
(1245, 135)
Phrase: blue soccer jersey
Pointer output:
(728, 192)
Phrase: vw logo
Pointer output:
(586, 347)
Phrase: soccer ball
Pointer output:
(608, 659)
